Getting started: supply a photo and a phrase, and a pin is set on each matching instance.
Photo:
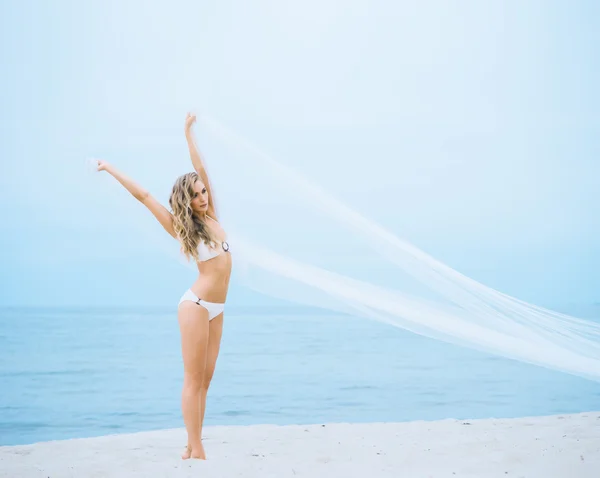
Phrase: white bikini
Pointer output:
(213, 308)
(206, 253)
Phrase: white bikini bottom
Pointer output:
(213, 308)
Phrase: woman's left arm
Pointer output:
(198, 164)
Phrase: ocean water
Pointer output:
(67, 373)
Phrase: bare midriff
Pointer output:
(213, 280)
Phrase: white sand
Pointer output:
(546, 447)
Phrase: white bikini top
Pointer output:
(206, 253)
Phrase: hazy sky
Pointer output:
(469, 127)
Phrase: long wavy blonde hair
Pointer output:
(190, 229)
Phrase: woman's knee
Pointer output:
(193, 382)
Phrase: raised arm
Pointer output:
(160, 212)
(198, 164)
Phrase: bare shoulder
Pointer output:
(216, 227)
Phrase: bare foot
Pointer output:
(187, 453)
(196, 453)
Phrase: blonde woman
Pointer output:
(194, 223)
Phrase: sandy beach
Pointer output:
(565, 446)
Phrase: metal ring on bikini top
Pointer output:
(225, 246)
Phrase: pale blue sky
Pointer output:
(478, 122)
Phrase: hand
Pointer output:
(190, 119)
(102, 165)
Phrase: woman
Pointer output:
(193, 221)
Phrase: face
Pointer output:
(200, 198)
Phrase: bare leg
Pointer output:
(214, 344)
(193, 324)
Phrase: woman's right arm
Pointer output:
(160, 212)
